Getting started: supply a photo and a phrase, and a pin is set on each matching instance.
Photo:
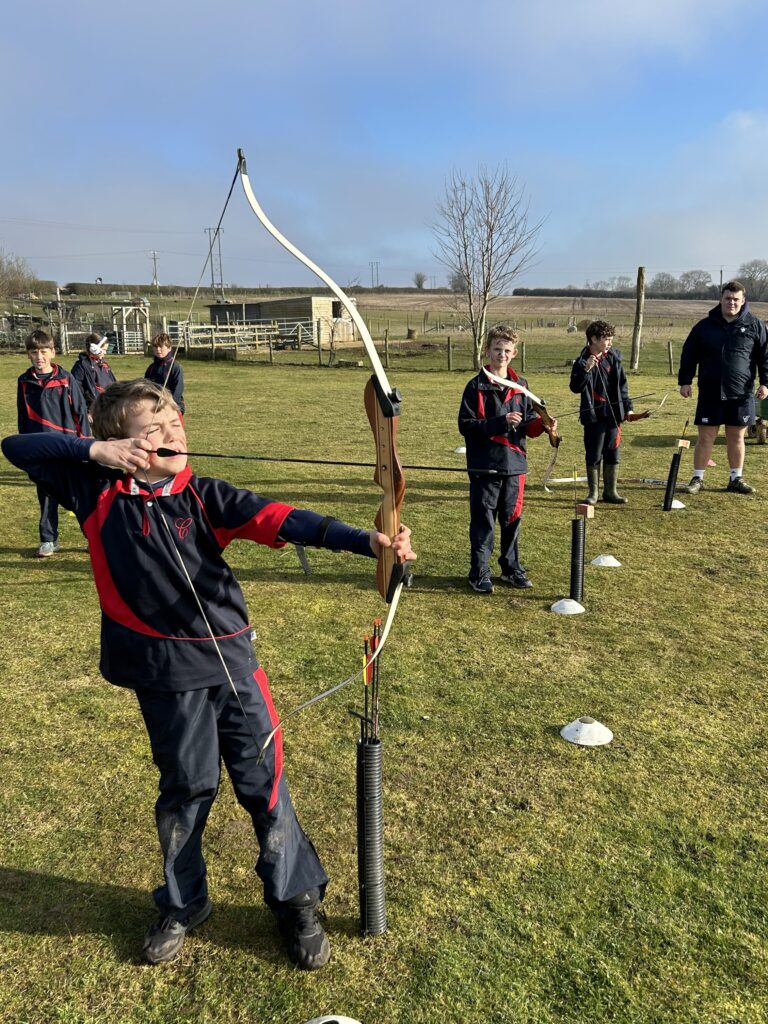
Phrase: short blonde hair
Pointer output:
(116, 403)
(503, 332)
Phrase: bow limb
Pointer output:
(382, 403)
(550, 467)
(350, 307)
(539, 405)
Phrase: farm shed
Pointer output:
(321, 315)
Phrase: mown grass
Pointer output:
(527, 879)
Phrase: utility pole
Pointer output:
(155, 282)
(215, 263)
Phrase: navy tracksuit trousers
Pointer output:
(49, 517)
(489, 499)
(190, 733)
(601, 442)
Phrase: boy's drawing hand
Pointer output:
(129, 453)
(401, 545)
(513, 418)
(593, 361)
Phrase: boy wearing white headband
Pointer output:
(91, 371)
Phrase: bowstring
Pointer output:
(153, 502)
(154, 499)
(208, 259)
(393, 604)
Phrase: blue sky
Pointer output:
(641, 136)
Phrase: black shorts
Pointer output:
(713, 411)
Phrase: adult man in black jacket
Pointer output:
(729, 346)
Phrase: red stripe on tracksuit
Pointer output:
(517, 511)
(263, 684)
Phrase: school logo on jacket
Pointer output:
(182, 526)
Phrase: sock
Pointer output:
(736, 473)
(698, 474)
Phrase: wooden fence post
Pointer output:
(522, 355)
(450, 354)
(671, 358)
(638, 328)
(386, 348)
(271, 353)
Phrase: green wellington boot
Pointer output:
(610, 494)
(593, 480)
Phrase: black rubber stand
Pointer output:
(578, 545)
(370, 839)
(672, 481)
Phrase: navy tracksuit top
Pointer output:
(157, 371)
(153, 634)
(603, 389)
(491, 442)
(54, 405)
(93, 376)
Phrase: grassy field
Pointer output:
(528, 880)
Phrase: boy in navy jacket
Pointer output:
(49, 400)
(91, 370)
(598, 376)
(496, 422)
(165, 370)
(185, 647)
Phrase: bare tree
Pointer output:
(16, 276)
(695, 280)
(622, 283)
(419, 279)
(456, 283)
(484, 239)
(664, 284)
(754, 276)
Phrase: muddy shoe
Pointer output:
(297, 918)
(482, 585)
(696, 485)
(739, 486)
(165, 937)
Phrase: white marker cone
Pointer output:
(676, 503)
(567, 607)
(606, 562)
(586, 732)
(461, 450)
(333, 1018)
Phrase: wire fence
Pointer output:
(414, 341)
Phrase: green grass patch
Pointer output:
(527, 879)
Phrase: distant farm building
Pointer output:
(295, 320)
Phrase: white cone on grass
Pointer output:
(333, 1018)
(461, 450)
(606, 562)
(676, 503)
(586, 732)
(567, 606)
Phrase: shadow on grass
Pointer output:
(60, 562)
(35, 903)
(9, 478)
